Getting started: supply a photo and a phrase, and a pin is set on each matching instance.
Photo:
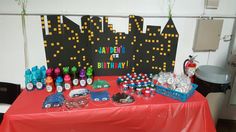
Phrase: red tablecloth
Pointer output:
(158, 113)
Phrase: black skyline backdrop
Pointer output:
(96, 43)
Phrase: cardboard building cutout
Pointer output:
(97, 44)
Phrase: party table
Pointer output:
(157, 113)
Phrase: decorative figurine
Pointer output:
(58, 83)
(75, 80)
(89, 74)
(82, 78)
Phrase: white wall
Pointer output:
(11, 44)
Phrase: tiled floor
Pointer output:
(226, 125)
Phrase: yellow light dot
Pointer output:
(172, 35)
(146, 40)
(97, 27)
(162, 45)
(78, 51)
(152, 67)
(157, 41)
(67, 28)
(92, 20)
(133, 55)
(54, 29)
(82, 49)
(58, 43)
(159, 30)
(157, 48)
(44, 41)
(164, 54)
(100, 31)
(168, 50)
(161, 53)
(60, 32)
(150, 34)
(72, 31)
(169, 41)
(92, 42)
(167, 26)
(141, 60)
(159, 68)
(148, 29)
(77, 41)
(61, 48)
(98, 39)
(137, 50)
(108, 39)
(74, 46)
(153, 57)
(48, 61)
(153, 48)
(147, 61)
(73, 38)
(137, 64)
(154, 34)
(58, 51)
(162, 49)
(50, 33)
(162, 34)
(84, 59)
(71, 58)
(168, 45)
(64, 25)
(149, 41)
(74, 58)
(76, 34)
(176, 35)
(132, 43)
(133, 58)
(52, 44)
(54, 55)
(123, 37)
(155, 67)
(59, 64)
(45, 45)
(172, 26)
(69, 38)
(141, 44)
(153, 41)
(148, 52)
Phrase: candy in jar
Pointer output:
(58, 83)
(49, 84)
(67, 82)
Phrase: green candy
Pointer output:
(66, 70)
